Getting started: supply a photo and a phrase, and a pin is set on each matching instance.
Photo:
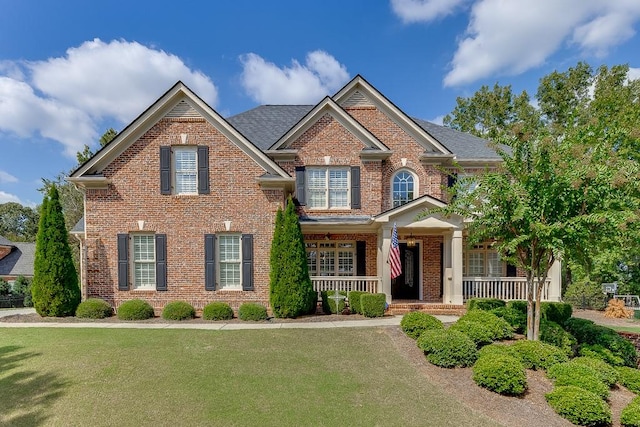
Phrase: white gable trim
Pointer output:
(328, 106)
(179, 92)
(406, 216)
(428, 142)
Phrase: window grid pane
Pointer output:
(317, 188)
(327, 263)
(476, 264)
(144, 255)
(345, 263)
(402, 188)
(331, 258)
(186, 171)
(494, 265)
(229, 250)
(338, 188)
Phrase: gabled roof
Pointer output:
(5, 242)
(19, 262)
(92, 169)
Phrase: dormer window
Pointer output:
(184, 170)
(328, 187)
(403, 188)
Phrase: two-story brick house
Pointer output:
(181, 204)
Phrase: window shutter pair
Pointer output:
(355, 186)
(161, 262)
(210, 262)
(203, 170)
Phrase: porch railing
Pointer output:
(505, 288)
(345, 283)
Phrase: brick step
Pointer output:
(398, 309)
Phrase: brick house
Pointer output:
(16, 259)
(181, 204)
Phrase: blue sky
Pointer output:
(69, 70)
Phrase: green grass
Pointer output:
(288, 377)
(635, 329)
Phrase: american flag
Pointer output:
(394, 254)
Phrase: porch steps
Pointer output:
(400, 308)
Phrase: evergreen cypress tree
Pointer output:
(291, 290)
(54, 289)
(276, 249)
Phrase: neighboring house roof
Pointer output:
(19, 262)
(79, 227)
(5, 242)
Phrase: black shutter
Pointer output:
(451, 180)
(203, 169)
(300, 190)
(123, 262)
(247, 262)
(210, 262)
(161, 262)
(512, 271)
(361, 258)
(165, 170)
(355, 187)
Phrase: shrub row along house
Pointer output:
(181, 204)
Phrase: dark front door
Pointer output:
(407, 284)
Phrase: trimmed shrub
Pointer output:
(497, 349)
(486, 304)
(178, 310)
(502, 374)
(483, 327)
(630, 416)
(373, 305)
(515, 318)
(599, 352)
(217, 310)
(416, 322)
(518, 305)
(595, 340)
(538, 355)
(354, 301)
(558, 312)
(329, 303)
(5, 287)
(94, 308)
(629, 378)
(606, 372)
(252, 311)
(448, 348)
(479, 333)
(578, 375)
(135, 309)
(22, 286)
(585, 294)
(579, 406)
(552, 333)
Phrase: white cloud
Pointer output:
(7, 177)
(424, 10)
(7, 197)
(65, 98)
(266, 83)
(438, 120)
(633, 74)
(510, 37)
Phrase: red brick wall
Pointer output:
(135, 195)
(431, 268)
(4, 251)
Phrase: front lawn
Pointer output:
(286, 377)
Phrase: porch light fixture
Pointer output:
(411, 241)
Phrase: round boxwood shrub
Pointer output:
(553, 333)
(94, 308)
(178, 310)
(630, 416)
(416, 322)
(498, 327)
(497, 349)
(479, 333)
(135, 309)
(487, 304)
(579, 406)
(501, 374)
(629, 378)
(538, 355)
(331, 305)
(606, 372)
(217, 311)
(354, 301)
(515, 318)
(602, 342)
(252, 311)
(448, 348)
(373, 305)
(578, 375)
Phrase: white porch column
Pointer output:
(384, 272)
(555, 287)
(455, 293)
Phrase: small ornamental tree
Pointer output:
(291, 292)
(54, 289)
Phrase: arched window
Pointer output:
(403, 188)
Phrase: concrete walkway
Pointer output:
(373, 322)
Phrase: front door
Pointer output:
(407, 284)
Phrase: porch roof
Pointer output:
(336, 220)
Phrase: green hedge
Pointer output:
(515, 318)
(94, 308)
(135, 309)
(606, 372)
(602, 342)
(448, 348)
(329, 304)
(497, 349)
(483, 327)
(252, 311)
(373, 305)
(354, 301)
(579, 406)
(217, 310)
(501, 374)
(518, 305)
(630, 416)
(479, 333)
(538, 355)
(487, 304)
(579, 375)
(557, 312)
(178, 310)
(629, 378)
(553, 333)
(416, 322)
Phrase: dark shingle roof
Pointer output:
(19, 261)
(5, 242)
(264, 125)
(79, 227)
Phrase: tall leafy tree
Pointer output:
(291, 292)
(87, 152)
(18, 223)
(55, 290)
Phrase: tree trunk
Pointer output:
(536, 319)
(530, 308)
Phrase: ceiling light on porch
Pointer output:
(411, 241)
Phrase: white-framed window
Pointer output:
(331, 258)
(482, 261)
(143, 247)
(229, 261)
(468, 183)
(185, 166)
(328, 188)
(403, 188)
